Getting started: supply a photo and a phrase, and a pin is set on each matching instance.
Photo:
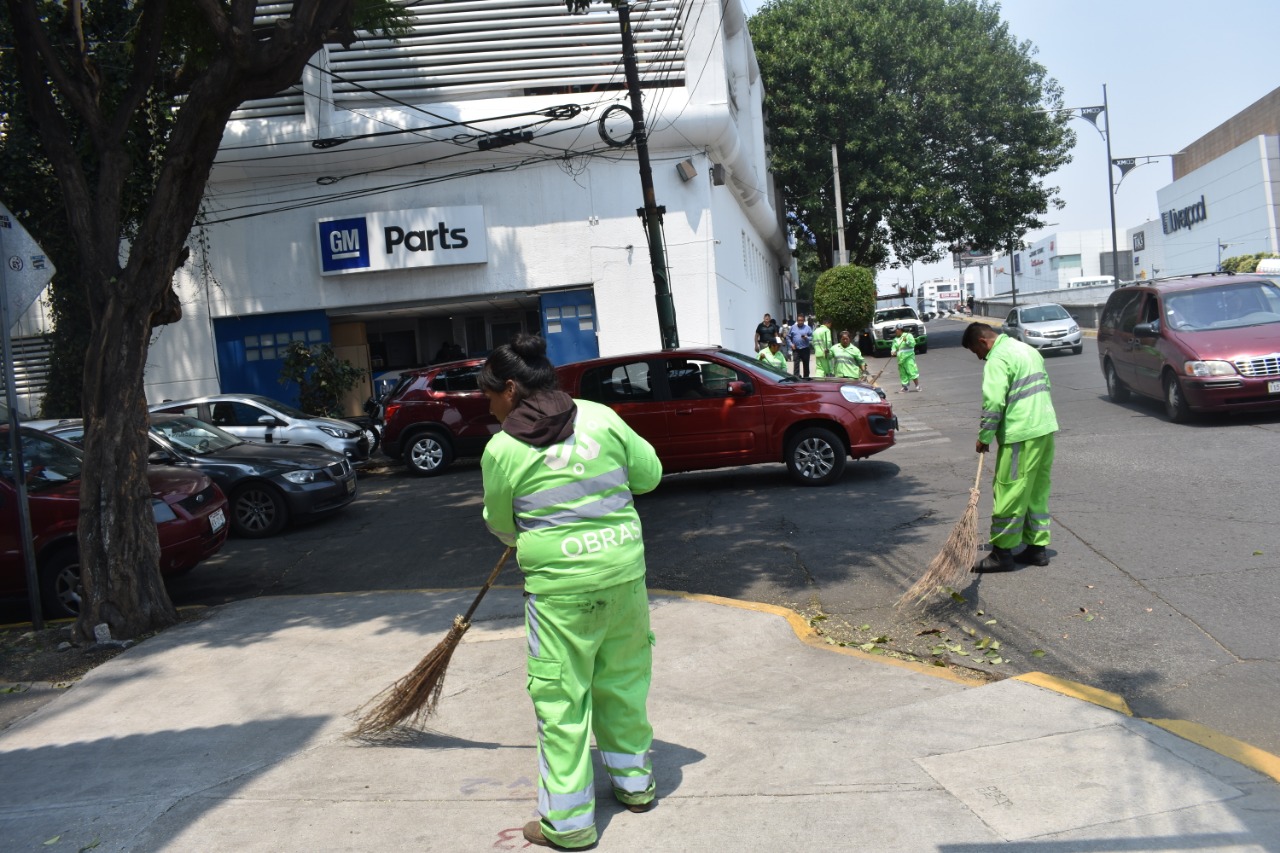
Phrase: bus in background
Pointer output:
(1090, 281)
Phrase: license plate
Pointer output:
(1056, 343)
(1273, 387)
(351, 485)
(217, 519)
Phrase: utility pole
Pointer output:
(843, 257)
(1111, 194)
(1013, 272)
(651, 213)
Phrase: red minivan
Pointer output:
(713, 408)
(1200, 344)
(189, 509)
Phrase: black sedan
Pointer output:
(266, 485)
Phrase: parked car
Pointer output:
(262, 420)
(1045, 327)
(1199, 343)
(713, 408)
(436, 414)
(190, 512)
(877, 339)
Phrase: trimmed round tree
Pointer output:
(847, 295)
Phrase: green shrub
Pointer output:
(847, 295)
(323, 378)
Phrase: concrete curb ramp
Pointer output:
(229, 734)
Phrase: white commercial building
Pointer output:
(466, 182)
(1056, 262)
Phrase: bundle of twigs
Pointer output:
(952, 564)
(414, 697)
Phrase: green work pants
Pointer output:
(824, 365)
(1020, 509)
(590, 663)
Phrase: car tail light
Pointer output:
(389, 412)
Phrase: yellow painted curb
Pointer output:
(807, 635)
(1225, 745)
(1076, 690)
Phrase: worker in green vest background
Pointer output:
(848, 360)
(772, 355)
(822, 365)
(904, 347)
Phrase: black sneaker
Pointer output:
(1033, 555)
(999, 560)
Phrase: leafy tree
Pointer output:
(846, 294)
(937, 115)
(106, 83)
(323, 379)
(1245, 263)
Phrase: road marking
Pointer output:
(913, 431)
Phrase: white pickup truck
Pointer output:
(878, 337)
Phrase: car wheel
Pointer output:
(428, 453)
(815, 457)
(1077, 349)
(922, 349)
(1175, 402)
(60, 589)
(257, 510)
(1115, 388)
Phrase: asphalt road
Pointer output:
(1165, 546)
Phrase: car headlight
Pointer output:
(859, 394)
(333, 431)
(1209, 368)
(1032, 333)
(161, 511)
(305, 475)
(1073, 330)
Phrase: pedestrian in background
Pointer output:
(1017, 412)
(801, 333)
(765, 332)
(822, 342)
(558, 484)
(772, 356)
(904, 347)
(847, 359)
(784, 332)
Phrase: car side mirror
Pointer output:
(1147, 330)
(269, 421)
(738, 388)
(160, 457)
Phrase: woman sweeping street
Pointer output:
(558, 484)
(904, 347)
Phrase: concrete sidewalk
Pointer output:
(229, 734)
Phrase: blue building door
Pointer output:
(569, 325)
(251, 350)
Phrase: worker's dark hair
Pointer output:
(524, 362)
(974, 331)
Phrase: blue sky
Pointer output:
(1174, 70)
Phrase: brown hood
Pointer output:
(543, 419)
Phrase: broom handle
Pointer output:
(493, 576)
(982, 457)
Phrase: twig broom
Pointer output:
(952, 564)
(414, 697)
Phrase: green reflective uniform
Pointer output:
(904, 347)
(848, 361)
(822, 365)
(773, 359)
(1017, 412)
(568, 510)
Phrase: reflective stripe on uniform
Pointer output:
(1043, 388)
(572, 824)
(531, 617)
(1005, 526)
(595, 509)
(616, 763)
(1016, 451)
(549, 802)
(570, 491)
(1038, 522)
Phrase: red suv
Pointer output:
(712, 408)
(436, 414)
(1200, 343)
(189, 509)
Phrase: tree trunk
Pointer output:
(119, 550)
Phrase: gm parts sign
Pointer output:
(401, 239)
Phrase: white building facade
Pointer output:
(466, 182)
(1054, 261)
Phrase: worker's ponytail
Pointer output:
(522, 361)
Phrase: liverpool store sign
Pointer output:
(1176, 220)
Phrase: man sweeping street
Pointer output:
(1017, 412)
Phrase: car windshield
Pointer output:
(194, 436)
(1044, 314)
(746, 360)
(895, 314)
(282, 408)
(1250, 303)
(46, 460)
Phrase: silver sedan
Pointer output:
(1045, 327)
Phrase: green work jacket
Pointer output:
(848, 361)
(568, 508)
(821, 342)
(1015, 394)
(773, 359)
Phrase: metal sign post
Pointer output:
(24, 272)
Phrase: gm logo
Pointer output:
(344, 244)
